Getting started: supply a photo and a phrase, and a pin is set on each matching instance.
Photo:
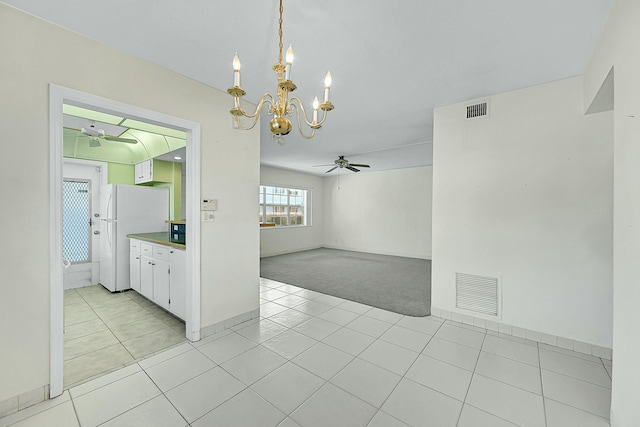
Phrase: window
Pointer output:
(284, 206)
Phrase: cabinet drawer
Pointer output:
(134, 246)
(161, 252)
(146, 249)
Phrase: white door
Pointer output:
(81, 227)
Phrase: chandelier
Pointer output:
(282, 106)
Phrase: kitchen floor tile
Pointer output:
(316, 328)
(253, 364)
(289, 344)
(323, 360)
(417, 405)
(579, 394)
(157, 412)
(339, 316)
(88, 344)
(507, 402)
(83, 329)
(367, 381)
(456, 354)
(89, 365)
(290, 318)
(152, 342)
(461, 335)
(288, 386)
(58, 415)
(382, 419)
(121, 396)
(440, 376)
(353, 342)
(407, 338)
(227, 347)
(561, 415)
(593, 372)
(518, 374)
(474, 417)
(177, 370)
(345, 409)
(369, 326)
(511, 350)
(261, 331)
(389, 356)
(426, 325)
(73, 318)
(203, 393)
(246, 409)
(384, 315)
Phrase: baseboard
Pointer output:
(291, 251)
(24, 400)
(228, 323)
(541, 337)
(398, 254)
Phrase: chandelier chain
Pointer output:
(280, 33)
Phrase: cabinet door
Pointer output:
(134, 271)
(161, 283)
(177, 285)
(146, 276)
(144, 171)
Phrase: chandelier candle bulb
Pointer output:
(236, 70)
(316, 104)
(289, 59)
(327, 85)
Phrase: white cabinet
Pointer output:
(134, 263)
(177, 285)
(159, 273)
(144, 171)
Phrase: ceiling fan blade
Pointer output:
(115, 138)
(335, 167)
(351, 168)
(322, 166)
(359, 166)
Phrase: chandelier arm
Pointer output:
(267, 98)
(297, 114)
(304, 113)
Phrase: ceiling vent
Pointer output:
(479, 294)
(477, 110)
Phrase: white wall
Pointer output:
(619, 47)
(386, 212)
(276, 241)
(35, 54)
(525, 195)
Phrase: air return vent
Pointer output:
(477, 110)
(477, 293)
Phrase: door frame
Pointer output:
(103, 171)
(59, 95)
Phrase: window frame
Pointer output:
(306, 205)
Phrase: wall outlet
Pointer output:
(207, 216)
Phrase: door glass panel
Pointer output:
(76, 217)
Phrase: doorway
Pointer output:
(59, 96)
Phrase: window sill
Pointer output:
(280, 227)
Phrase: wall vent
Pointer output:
(477, 110)
(479, 294)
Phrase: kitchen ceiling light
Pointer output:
(282, 105)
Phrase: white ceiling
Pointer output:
(392, 62)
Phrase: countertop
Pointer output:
(161, 238)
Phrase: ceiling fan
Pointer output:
(341, 162)
(95, 134)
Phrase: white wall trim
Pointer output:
(59, 95)
(528, 334)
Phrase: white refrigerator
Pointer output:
(127, 209)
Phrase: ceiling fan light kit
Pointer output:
(343, 163)
(282, 105)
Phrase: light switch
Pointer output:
(207, 216)
(209, 204)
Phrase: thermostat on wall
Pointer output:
(209, 205)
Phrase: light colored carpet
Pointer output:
(398, 284)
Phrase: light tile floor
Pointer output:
(324, 361)
(106, 331)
